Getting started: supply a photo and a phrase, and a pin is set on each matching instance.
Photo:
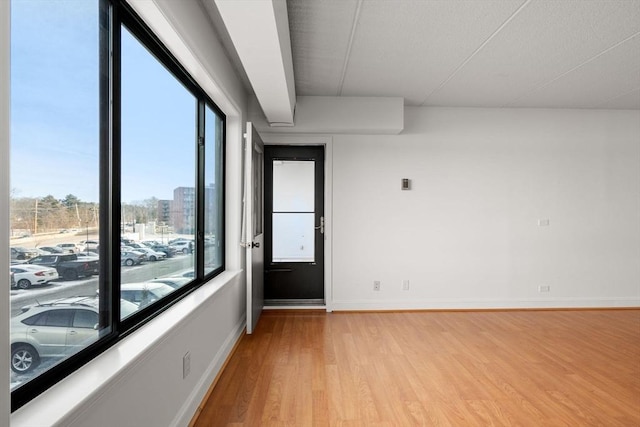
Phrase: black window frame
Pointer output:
(113, 15)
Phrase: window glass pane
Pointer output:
(158, 174)
(293, 186)
(59, 318)
(258, 190)
(85, 319)
(213, 191)
(293, 237)
(55, 105)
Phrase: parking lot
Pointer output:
(87, 286)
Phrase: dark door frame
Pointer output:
(327, 142)
(289, 282)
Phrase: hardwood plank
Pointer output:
(460, 368)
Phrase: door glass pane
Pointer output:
(293, 237)
(258, 163)
(293, 186)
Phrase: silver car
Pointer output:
(130, 258)
(55, 329)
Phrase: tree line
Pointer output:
(48, 214)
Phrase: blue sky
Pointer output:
(54, 109)
(53, 127)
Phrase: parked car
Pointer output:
(55, 329)
(69, 267)
(69, 247)
(27, 275)
(137, 246)
(89, 245)
(130, 258)
(19, 253)
(159, 247)
(144, 293)
(180, 239)
(174, 282)
(151, 254)
(85, 255)
(183, 246)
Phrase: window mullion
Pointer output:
(200, 184)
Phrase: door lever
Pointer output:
(321, 226)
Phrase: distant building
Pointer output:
(180, 212)
(211, 220)
(183, 212)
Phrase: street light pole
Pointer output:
(35, 222)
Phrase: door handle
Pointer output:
(255, 244)
(72, 332)
(321, 226)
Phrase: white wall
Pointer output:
(467, 233)
(139, 381)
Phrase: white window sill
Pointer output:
(68, 397)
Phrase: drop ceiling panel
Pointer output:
(320, 32)
(407, 48)
(542, 42)
(616, 72)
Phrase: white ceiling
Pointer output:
(462, 53)
(488, 53)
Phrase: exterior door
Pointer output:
(254, 219)
(294, 225)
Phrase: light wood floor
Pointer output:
(503, 368)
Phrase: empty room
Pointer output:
(320, 213)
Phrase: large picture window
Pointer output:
(117, 184)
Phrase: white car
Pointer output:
(68, 247)
(182, 246)
(89, 245)
(27, 275)
(151, 254)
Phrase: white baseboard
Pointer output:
(484, 304)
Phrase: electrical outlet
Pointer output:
(405, 285)
(376, 285)
(186, 364)
(544, 288)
